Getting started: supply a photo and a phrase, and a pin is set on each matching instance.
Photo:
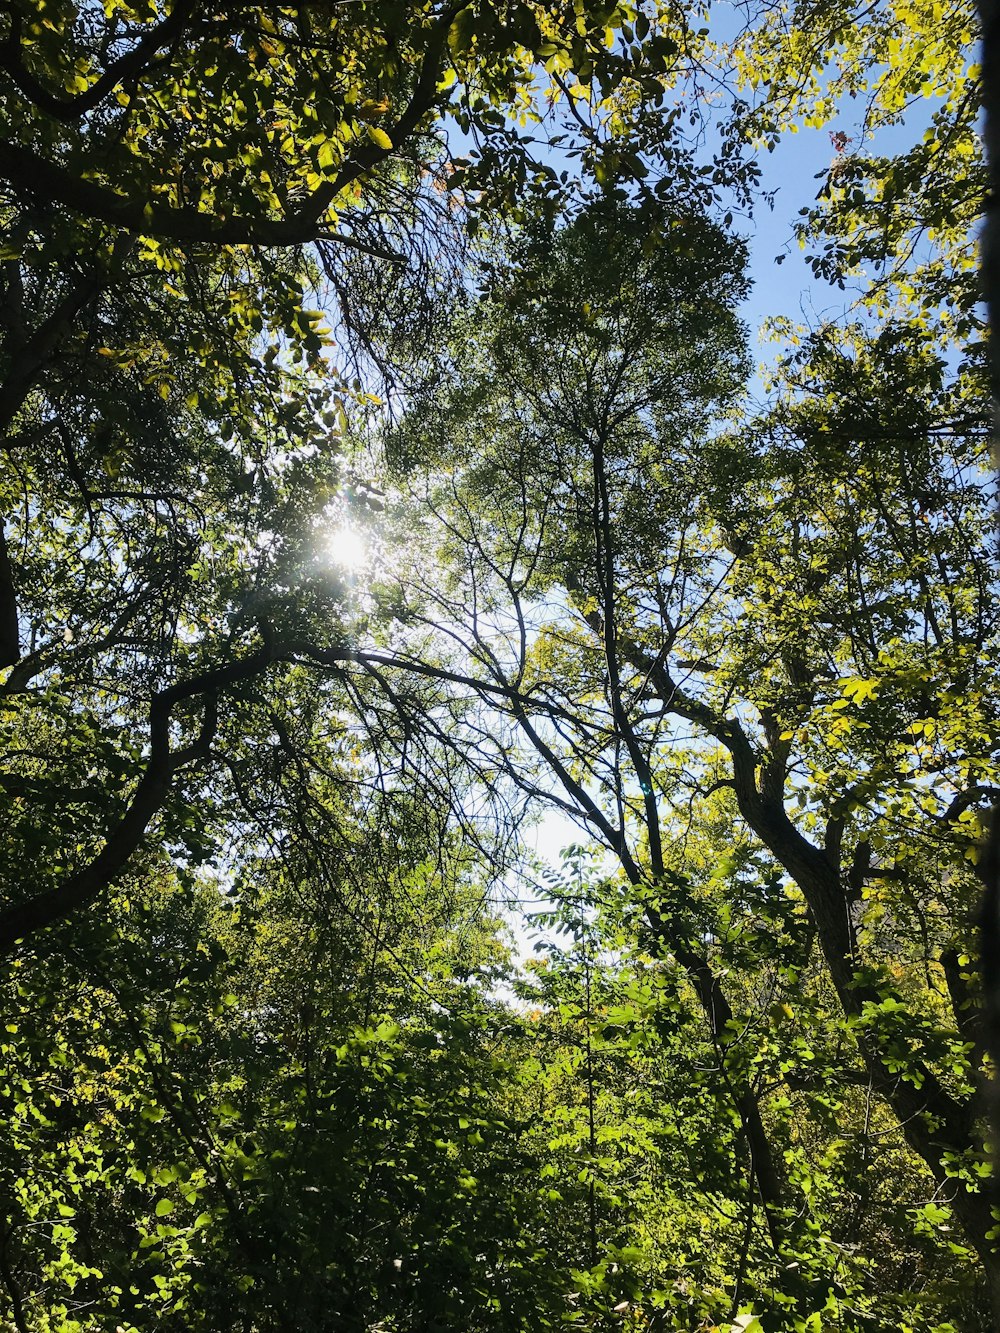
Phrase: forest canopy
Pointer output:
(392, 497)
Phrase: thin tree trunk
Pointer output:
(10, 638)
(989, 868)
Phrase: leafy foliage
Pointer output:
(457, 283)
(781, 611)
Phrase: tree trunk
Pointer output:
(989, 19)
(932, 1121)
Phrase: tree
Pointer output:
(752, 656)
(895, 213)
(799, 612)
(642, 1144)
(243, 126)
(167, 399)
(279, 1104)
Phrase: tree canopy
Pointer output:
(387, 470)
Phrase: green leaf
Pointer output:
(379, 137)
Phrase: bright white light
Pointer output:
(345, 547)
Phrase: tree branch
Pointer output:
(38, 177)
(32, 355)
(22, 920)
(129, 67)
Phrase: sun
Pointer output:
(346, 547)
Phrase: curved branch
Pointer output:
(128, 67)
(971, 796)
(22, 920)
(38, 177)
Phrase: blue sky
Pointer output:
(790, 171)
(788, 288)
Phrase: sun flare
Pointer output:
(346, 548)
